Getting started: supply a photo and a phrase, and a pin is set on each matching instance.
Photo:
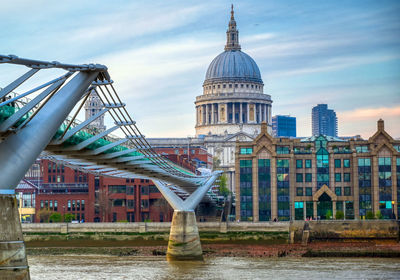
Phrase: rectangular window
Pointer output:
(308, 191)
(362, 149)
(144, 190)
(299, 191)
(69, 205)
(338, 177)
(51, 204)
(73, 205)
(83, 205)
(117, 189)
(118, 202)
(347, 191)
(346, 177)
(282, 150)
(246, 194)
(338, 163)
(55, 205)
(264, 189)
(299, 177)
(299, 163)
(308, 163)
(46, 204)
(131, 204)
(338, 191)
(308, 177)
(78, 205)
(346, 163)
(246, 151)
(41, 204)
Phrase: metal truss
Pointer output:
(38, 120)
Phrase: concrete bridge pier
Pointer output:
(13, 262)
(184, 240)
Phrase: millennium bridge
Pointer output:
(38, 122)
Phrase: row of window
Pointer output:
(52, 167)
(338, 191)
(130, 190)
(236, 86)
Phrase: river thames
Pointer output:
(112, 267)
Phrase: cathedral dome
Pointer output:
(233, 65)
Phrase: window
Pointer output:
(346, 163)
(51, 204)
(69, 205)
(55, 205)
(117, 189)
(131, 204)
(83, 205)
(73, 205)
(308, 163)
(145, 203)
(338, 177)
(224, 86)
(362, 149)
(41, 204)
(299, 191)
(346, 177)
(308, 177)
(246, 151)
(338, 191)
(347, 191)
(129, 190)
(230, 85)
(144, 190)
(282, 150)
(78, 205)
(338, 163)
(308, 191)
(46, 204)
(299, 163)
(118, 202)
(299, 177)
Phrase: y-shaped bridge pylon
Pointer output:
(29, 127)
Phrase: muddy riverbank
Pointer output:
(317, 249)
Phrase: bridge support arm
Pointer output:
(19, 151)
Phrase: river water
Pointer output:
(111, 267)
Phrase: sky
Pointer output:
(339, 52)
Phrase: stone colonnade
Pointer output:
(233, 112)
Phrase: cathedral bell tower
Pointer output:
(232, 35)
(94, 105)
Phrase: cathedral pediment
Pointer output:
(239, 137)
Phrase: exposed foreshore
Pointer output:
(294, 239)
(318, 249)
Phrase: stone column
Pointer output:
(233, 113)
(212, 114)
(375, 183)
(259, 113)
(274, 191)
(247, 115)
(216, 118)
(203, 114)
(207, 120)
(256, 211)
(265, 113)
(315, 212)
(334, 209)
(304, 210)
(394, 187)
(184, 240)
(13, 262)
(356, 189)
(226, 112)
(241, 112)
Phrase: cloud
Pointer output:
(362, 114)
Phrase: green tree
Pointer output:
(68, 217)
(44, 215)
(223, 190)
(379, 215)
(370, 215)
(339, 215)
(329, 215)
(55, 217)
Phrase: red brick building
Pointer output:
(96, 198)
